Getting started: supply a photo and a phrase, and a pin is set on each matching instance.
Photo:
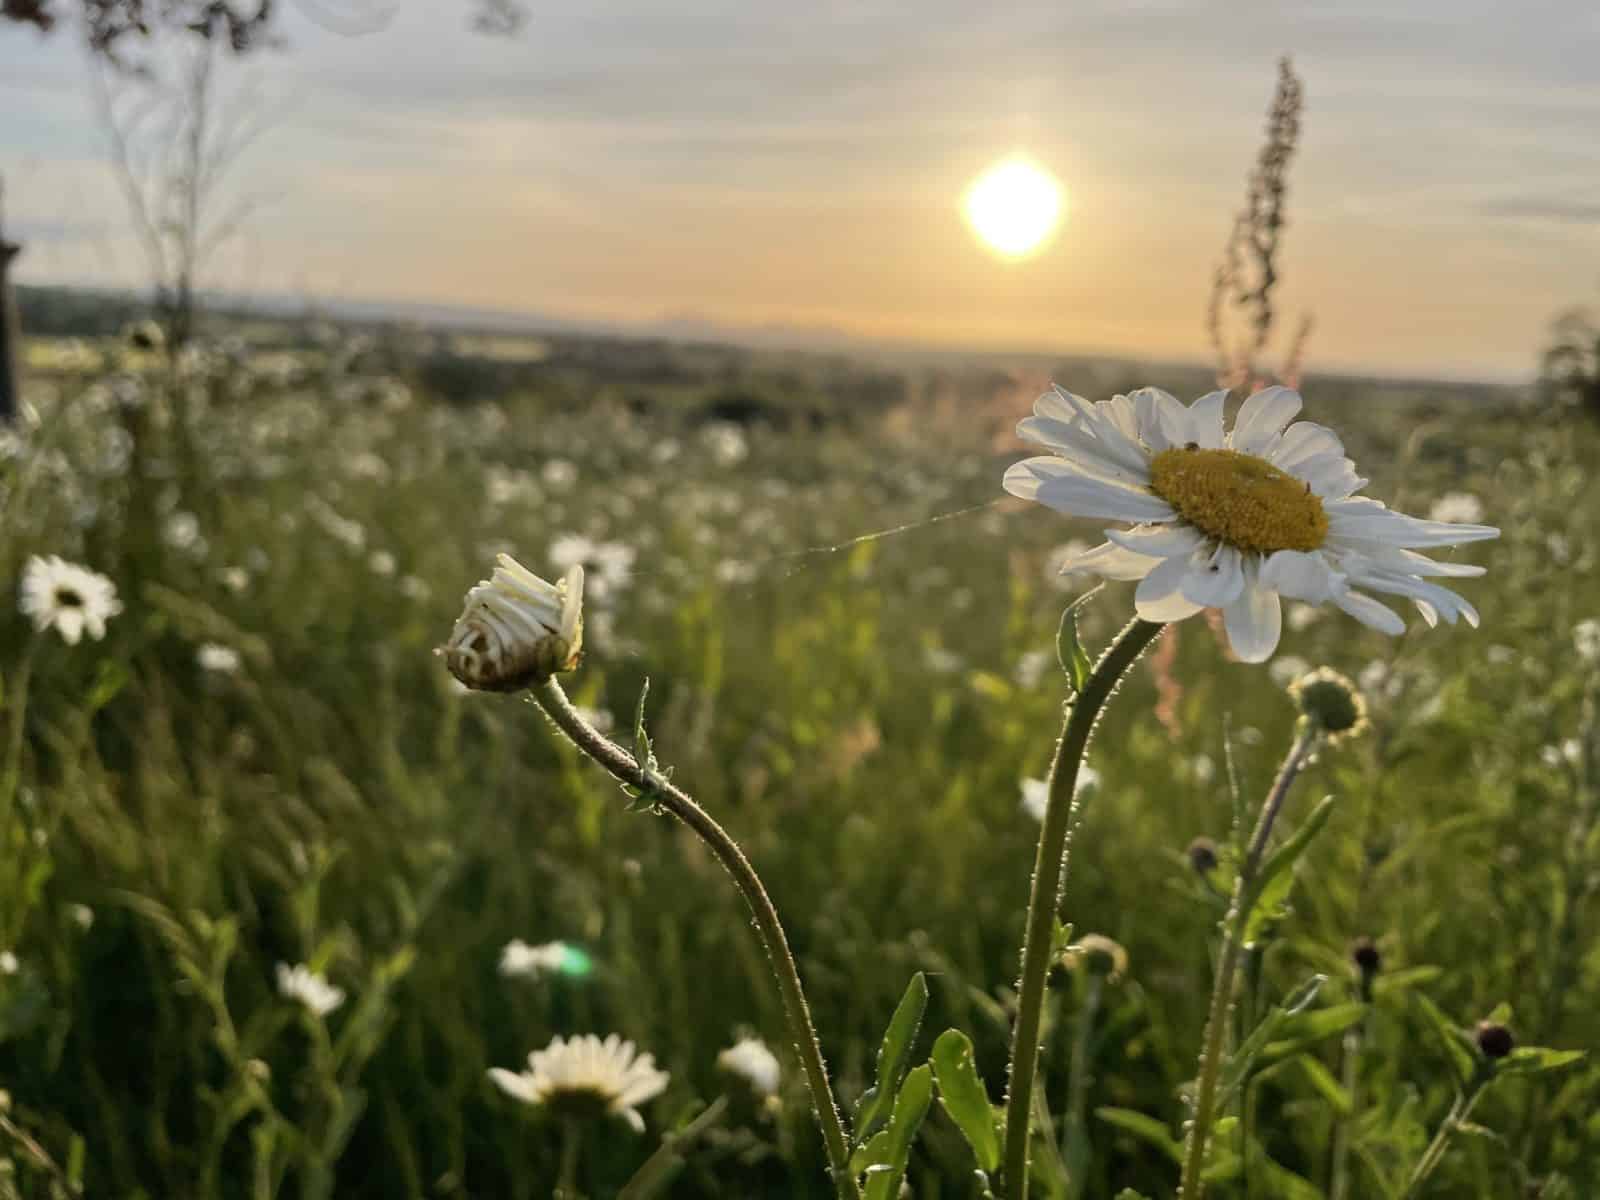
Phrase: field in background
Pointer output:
(317, 499)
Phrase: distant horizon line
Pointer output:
(692, 327)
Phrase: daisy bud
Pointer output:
(1202, 855)
(1331, 703)
(1495, 1041)
(1098, 955)
(517, 630)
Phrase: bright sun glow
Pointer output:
(1013, 207)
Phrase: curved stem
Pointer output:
(1441, 1140)
(1045, 898)
(1192, 1186)
(623, 766)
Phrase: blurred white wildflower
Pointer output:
(571, 550)
(367, 465)
(733, 572)
(224, 660)
(413, 588)
(1031, 667)
(584, 1076)
(1233, 520)
(560, 474)
(1036, 792)
(182, 531)
(517, 630)
(235, 579)
(529, 962)
(600, 718)
(664, 451)
(305, 986)
(68, 598)
(81, 915)
(1457, 508)
(1287, 669)
(8, 963)
(1204, 769)
(752, 1061)
(1586, 639)
(1303, 616)
(1568, 753)
(1560, 548)
(381, 562)
(727, 443)
(942, 661)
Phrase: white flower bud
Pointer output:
(517, 630)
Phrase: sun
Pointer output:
(1014, 207)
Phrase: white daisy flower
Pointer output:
(1036, 792)
(519, 958)
(751, 1060)
(1233, 520)
(1457, 507)
(516, 629)
(69, 598)
(586, 1077)
(1586, 639)
(224, 660)
(305, 986)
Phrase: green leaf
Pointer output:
(1304, 1029)
(964, 1097)
(1270, 888)
(1145, 1128)
(1070, 653)
(1242, 1061)
(1130, 1194)
(910, 1107)
(1462, 1063)
(1322, 1079)
(877, 1102)
(1530, 1060)
(1410, 977)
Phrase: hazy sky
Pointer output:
(803, 164)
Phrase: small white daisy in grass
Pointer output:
(224, 660)
(1233, 520)
(517, 630)
(751, 1060)
(1457, 507)
(586, 1077)
(1036, 792)
(305, 986)
(518, 958)
(70, 599)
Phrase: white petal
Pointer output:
(1369, 612)
(514, 1084)
(1075, 443)
(1302, 441)
(1118, 413)
(1111, 562)
(1262, 417)
(1434, 601)
(1162, 421)
(1300, 576)
(1254, 622)
(1158, 597)
(1205, 420)
(1158, 541)
(1369, 520)
(634, 1120)
(1052, 482)
(1215, 579)
(1332, 477)
(1062, 405)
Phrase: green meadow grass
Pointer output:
(859, 718)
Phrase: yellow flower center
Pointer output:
(1240, 499)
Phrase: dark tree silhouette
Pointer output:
(112, 26)
(1570, 371)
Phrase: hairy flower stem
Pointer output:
(1192, 1186)
(622, 765)
(1459, 1111)
(1049, 868)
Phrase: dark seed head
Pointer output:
(1364, 953)
(1495, 1041)
(1202, 853)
